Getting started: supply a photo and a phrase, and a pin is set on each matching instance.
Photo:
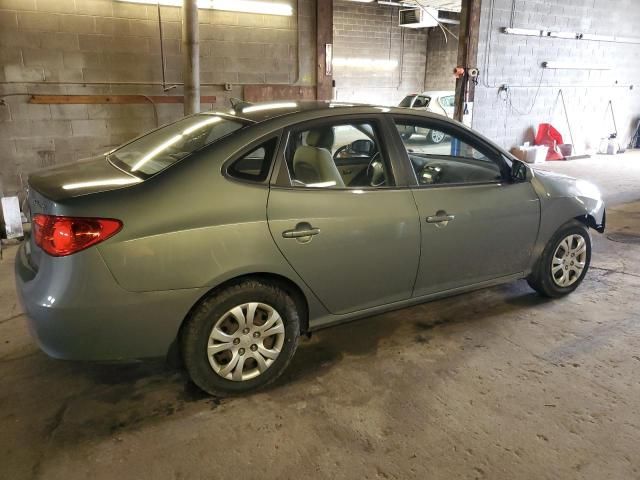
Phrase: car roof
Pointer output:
(438, 93)
(262, 111)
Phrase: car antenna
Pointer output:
(237, 103)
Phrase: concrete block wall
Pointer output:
(110, 47)
(533, 95)
(369, 34)
(442, 57)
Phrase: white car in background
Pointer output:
(436, 101)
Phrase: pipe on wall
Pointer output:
(191, 59)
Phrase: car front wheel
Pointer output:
(564, 261)
(241, 338)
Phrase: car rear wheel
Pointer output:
(241, 338)
(564, 262)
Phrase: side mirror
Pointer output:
(519, 171)
(362, 146)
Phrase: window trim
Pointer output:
(277, 135)
(486, 149)
(282, 177)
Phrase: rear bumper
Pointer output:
(77, 311)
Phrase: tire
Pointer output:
(207, 371)
(548, 277)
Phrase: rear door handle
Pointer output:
(441, 217)
(300, 233)
(303, 229)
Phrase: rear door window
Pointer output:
(254, 166)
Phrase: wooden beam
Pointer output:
(467, 53)
(260, 93)
(111, 99)
(324, 37)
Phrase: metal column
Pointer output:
(191, 61)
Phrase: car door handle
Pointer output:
(439, 218)
(301, 230)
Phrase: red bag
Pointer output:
(549, 136)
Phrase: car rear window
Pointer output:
(163, 147)
(406, 101)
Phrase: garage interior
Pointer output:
(499, 383)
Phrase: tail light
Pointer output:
(61, 236)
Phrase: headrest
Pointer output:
(321, 138)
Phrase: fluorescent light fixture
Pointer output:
(156, 151)
(199, 125)
(269, 106)
(382, 64)
(574, 66)
(567, 35)
(101, 183)
(252, 6)
(242, 6)
(522, 31)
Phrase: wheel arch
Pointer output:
(286, 284)
(591, 222)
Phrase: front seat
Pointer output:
(313, 163)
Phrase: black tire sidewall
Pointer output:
(545, 279)
(196, 336)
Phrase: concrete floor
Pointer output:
(498, 384)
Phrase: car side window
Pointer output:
(449, 101)
(441, 157)
(254, 165)
(338, 155)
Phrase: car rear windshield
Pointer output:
(406, 101)
(160, 148)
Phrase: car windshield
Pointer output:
(406, 101)
(160, 148)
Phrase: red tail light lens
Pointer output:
(60, 236)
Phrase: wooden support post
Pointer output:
(324, 37)
(467, 54)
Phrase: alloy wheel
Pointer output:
(569, 260)
(436, 136)
(245, 341)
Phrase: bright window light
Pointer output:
(201, 124)
(243, 6)
(163, 146)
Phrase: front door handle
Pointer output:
(302, 230)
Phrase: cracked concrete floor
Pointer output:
(497, 384)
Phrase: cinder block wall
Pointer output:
(109, 47)
(368, 38)
(533, 95)
(442, 57)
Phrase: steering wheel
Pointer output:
(375, 171)
(340, 150)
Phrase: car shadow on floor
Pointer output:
(107, 400)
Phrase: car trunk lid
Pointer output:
(89, 176)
